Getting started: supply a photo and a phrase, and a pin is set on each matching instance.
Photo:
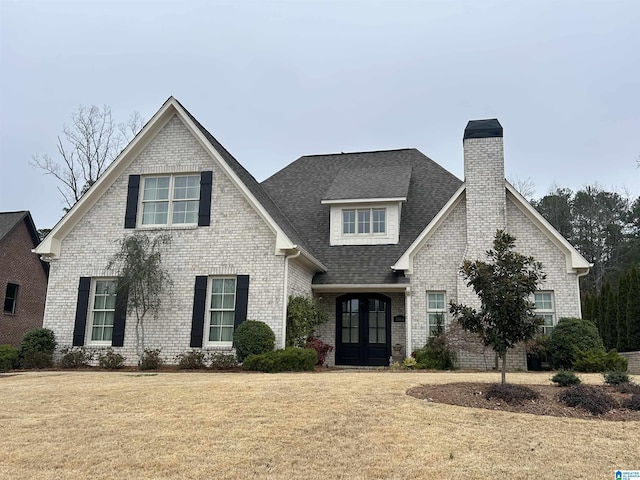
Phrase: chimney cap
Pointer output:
(483, 129)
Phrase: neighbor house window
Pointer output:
(545, 308)
(222, 306)
(10, 298)
(364, 221)
(103, 311)
(171, 200)
(435, 312)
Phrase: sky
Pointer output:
(275, 80)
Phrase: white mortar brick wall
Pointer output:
(299, 282)
(238, 241)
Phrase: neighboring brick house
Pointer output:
(23, 277)
(379, 236)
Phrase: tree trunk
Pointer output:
(504, 367)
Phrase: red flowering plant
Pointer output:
(320, 347)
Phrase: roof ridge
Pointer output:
(363, 152)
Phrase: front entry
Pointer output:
(363, 329)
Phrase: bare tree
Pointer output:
(527, 187)
(86, 149)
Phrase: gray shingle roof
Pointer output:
(299, 188)
(370, 182)
(8, 220)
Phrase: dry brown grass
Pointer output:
(342, 424)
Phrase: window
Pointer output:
(222, 311)
(103, 311)
(369, 220)
(545, 308)
(10, 298)
(435, 312)
(171, 200)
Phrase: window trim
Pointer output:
(370, 223)
(209, 311)
(14, 298)
(436, 311)
(170, 200)
(92, 310)
(542, 312)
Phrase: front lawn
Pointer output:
(341, 424)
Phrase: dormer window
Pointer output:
(369, 221)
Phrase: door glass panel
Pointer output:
(377, 321)
(350, 321)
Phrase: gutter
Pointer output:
(285, 296)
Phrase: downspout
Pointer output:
(285, 296)
(407, 312)
(580, 274)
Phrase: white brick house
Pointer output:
(379, 236)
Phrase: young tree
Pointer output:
(138, 265)
(303, 316)
(505, 286)
(87, 148)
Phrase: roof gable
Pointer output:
(286, 236)
(8, 220)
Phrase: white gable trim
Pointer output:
(50, 247)
(575, 261)
(405, 262)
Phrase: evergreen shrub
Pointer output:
(253, 338)
(290, 359)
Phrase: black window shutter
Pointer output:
(132, 201)
(204, 209)
(82, 307)
(242, 299)
(199, 306)
(120, 317)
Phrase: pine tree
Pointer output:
(633, 311)
(621, 313)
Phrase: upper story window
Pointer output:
(170, 200)
(364, 221)
(545, 308)
(10, 298)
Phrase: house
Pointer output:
(378, 236)
(23, 277)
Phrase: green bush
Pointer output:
(615, 378)
(8, 357)
(34, 359)
(565, 379)
(222, 361)
(303, 316)
(253, 338)
(151, 360)
(597, 360)
(436, 354)
(192, 360)
(570, 336)
(73, 357)
(110, 359)
(290, 359)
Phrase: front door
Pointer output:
(363, 329)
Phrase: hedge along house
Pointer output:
(379, 236)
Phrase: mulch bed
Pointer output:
(472, 395)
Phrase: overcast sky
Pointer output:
(275, 80)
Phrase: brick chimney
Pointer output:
(485, 185)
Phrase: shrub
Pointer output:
(303, 315)
(110, 360)
(436, 354)
(569, 336)
(151, 360)
(73, 357)
(288, 360)
(192, 360)
(513, 394)
(320, 347)
(632, 403)
(222, 361)
(615, 378)
(589, 398)
(36, 348)
(565, 379)
(409, 363)
(253, 338)
(628, 387)
(8, 357)
(597, 360)
(35, 359)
